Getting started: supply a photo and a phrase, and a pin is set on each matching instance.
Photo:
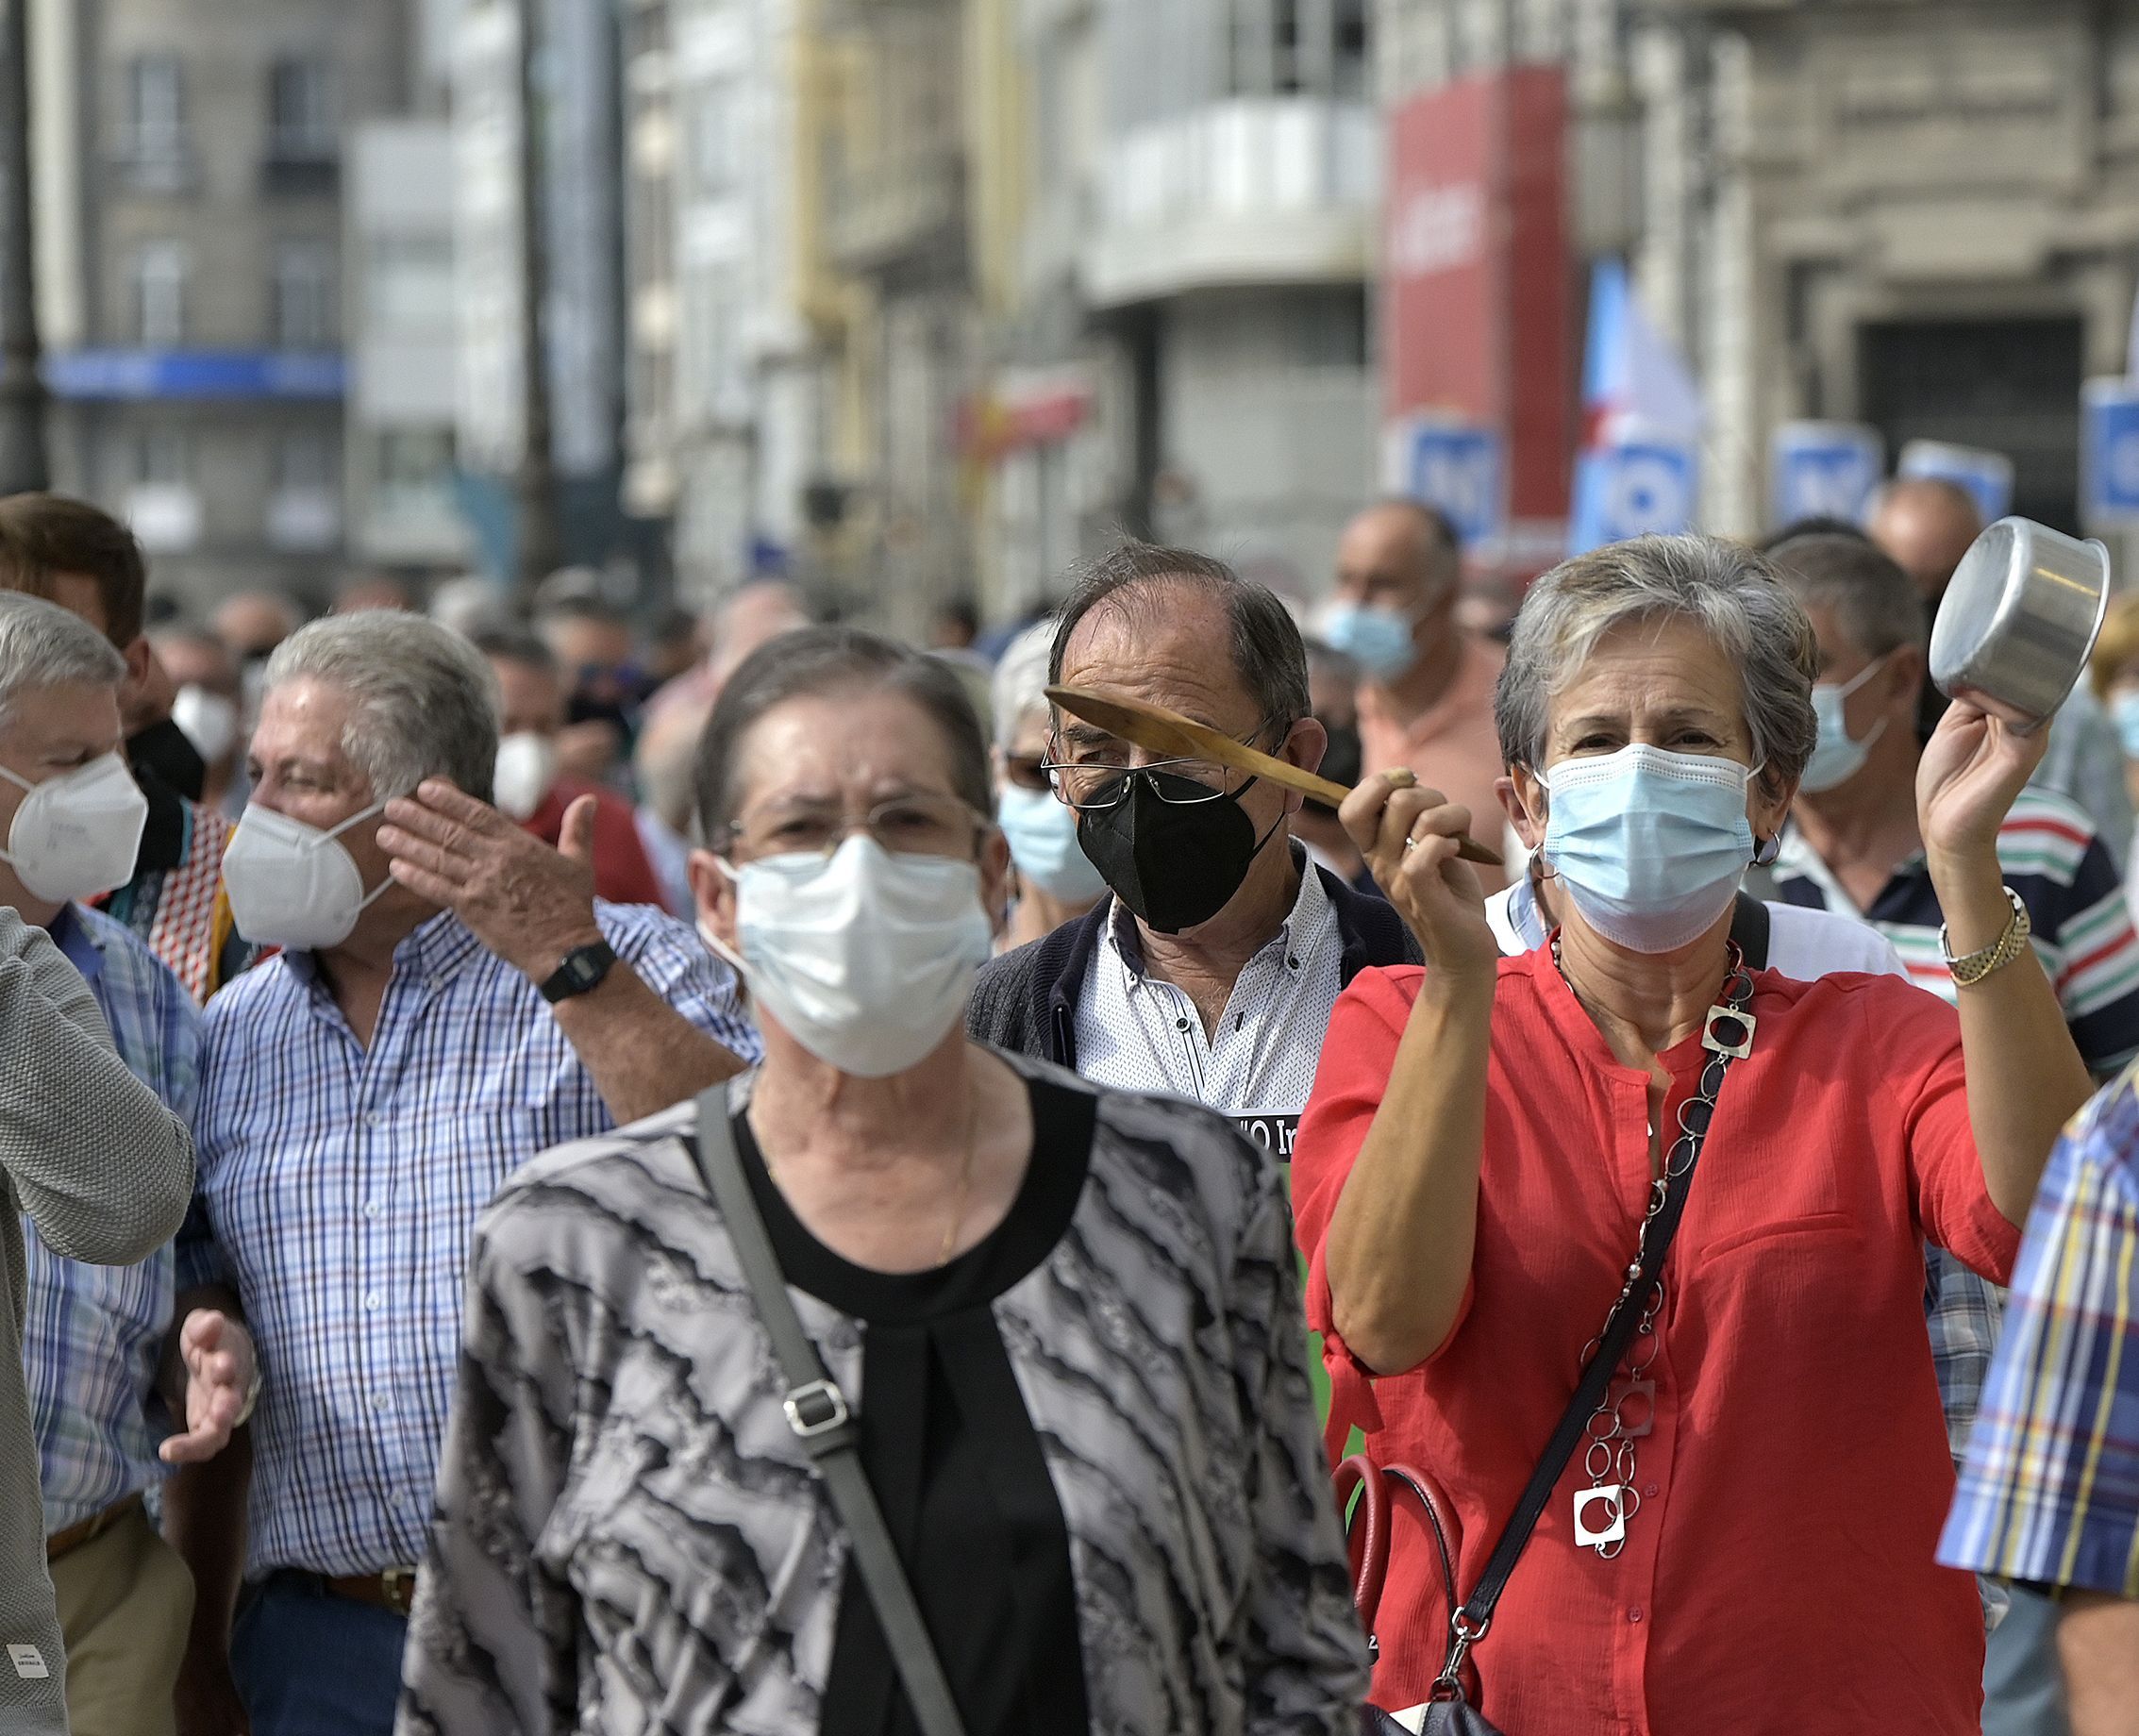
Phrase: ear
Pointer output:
(1305, 745)
(1768, 806)
(1908, 668)
(1522, 799)
(146, 693)
(713, 893)
(995, 865)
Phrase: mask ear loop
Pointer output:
(715, 944)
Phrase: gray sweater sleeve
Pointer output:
(103, 1169)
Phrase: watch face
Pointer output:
(581, 969)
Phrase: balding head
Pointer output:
(1925, 524)
(253, 622)
(1400, 554)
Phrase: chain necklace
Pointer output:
(1627, 1411)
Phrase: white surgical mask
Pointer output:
(293, 885)
(77, 834)
(207, 719)
(864, 957)
(526, 766)
(1836, 757)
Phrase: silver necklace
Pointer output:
(1627, 1411)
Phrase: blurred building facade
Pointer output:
(190, 167)
(1918, 214)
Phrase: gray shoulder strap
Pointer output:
(819, 1415)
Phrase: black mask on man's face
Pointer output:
(166, 751)
(1176, 864)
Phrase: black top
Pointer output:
(1025, 1000)
(951, 1453)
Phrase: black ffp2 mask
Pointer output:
(1176, 864)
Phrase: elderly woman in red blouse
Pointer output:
(1750, 1547)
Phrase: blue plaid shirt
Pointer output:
(342, 1183)
(93, 1335)
(2049, 1492)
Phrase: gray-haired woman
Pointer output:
(1745, 1540)
(1070, 1318)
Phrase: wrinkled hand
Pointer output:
(217, 1355)
(1972, 769)
(530, 904)
(1432, 888)
(207, 1702)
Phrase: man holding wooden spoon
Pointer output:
(1210, 971)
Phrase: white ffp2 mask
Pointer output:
(864, 957)
(77, 834)
(526, 768)
(293, 885)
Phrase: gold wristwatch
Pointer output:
(1972, 968)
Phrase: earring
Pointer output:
(1767, 850)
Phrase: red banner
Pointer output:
(1478, 308)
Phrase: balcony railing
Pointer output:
(1249, 191)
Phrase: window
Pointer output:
(305, 463)
(304, 295)
(300, 111)
(160, 271)
(714, 132)
(159, 459)
(153, 113)
(410, 293)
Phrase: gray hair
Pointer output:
(1875, 603)
(1267, 654)
(425, 704)
(41, 645)
(1021, 682)
(1732, 594)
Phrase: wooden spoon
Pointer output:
(1157, 730)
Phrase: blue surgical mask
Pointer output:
(1042, 839)
(1378, 639)
(1649, 844)
(1836, 758)
(2124, 712)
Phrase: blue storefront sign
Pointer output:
(1823, 470)
(2108, 451)
(1459, 469)
(291, 375)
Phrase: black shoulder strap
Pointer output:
(818, 1413)
(1749, 923)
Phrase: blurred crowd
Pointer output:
(727, 1173)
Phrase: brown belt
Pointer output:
(395, 1589)
(75, 1536)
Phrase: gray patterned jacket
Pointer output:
(104, 1172)
(629, 1538)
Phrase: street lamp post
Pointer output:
(22, 462)
(537, 541)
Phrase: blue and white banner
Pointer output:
(1642, 486)
(129, 374)
(2108, 452)
(1986, 475)
(1456, 467)
(1823, 470)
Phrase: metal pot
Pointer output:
(2018, 619)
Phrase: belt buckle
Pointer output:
(398, 1586)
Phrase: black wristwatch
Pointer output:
(581, 970)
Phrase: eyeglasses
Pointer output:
(1027, 771)
(1097, 775)
(922, 824)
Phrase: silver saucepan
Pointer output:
(2017, 622)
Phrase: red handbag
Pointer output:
(1385, 1493)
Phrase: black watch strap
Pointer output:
(581, 970)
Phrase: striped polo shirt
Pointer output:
(2053, 859)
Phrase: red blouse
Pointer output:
(1778, 1575)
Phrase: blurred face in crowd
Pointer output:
(533, 697)
(49, 731)
(1925, 526)
(814, 767)
(1392, 559)
(596, 657)
(207, 703)
(1889, 692)
(298, 768)
(254, 622)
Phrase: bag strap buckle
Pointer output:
(816, 1408)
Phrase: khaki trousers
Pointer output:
(125, 1602)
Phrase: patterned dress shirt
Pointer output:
(2050, 1493)
(93, 1335)
(342, 1182)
